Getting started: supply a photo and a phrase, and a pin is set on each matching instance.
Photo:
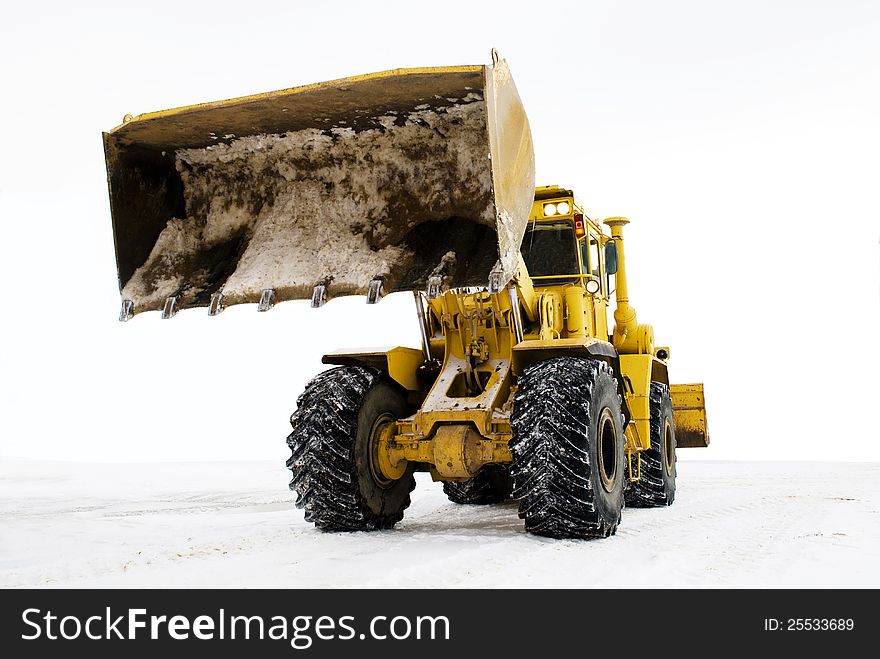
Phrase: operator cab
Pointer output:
(559, 245)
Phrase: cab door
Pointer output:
(593, 268)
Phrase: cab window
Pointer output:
(548, 249)
(593, 251)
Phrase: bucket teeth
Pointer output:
(435, 284)
(267, 299)
(170, 308)
(216, 305)
(126, 312)
(319, 296)
(496, 279)
(374, 292)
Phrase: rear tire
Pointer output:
(492, 484)
(656, 487)
(568, 449)
(332, 445)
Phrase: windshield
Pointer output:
(550, 248)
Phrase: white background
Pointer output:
(741, 138)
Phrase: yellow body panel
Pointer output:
(532, 351)
(401, 364)
(636, 371)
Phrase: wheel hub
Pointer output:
(382, 469)
(669, 446)
(606, 450)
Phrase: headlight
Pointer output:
(557, 208)
(592, 286)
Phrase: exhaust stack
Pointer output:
(629, 336)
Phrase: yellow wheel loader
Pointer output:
(416, 180)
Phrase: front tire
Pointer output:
(568, 449)
(333, 445)
(656, 487)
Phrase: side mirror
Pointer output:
(611, 257)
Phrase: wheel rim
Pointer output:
(606, 449)
(669, 446)
(375, 435)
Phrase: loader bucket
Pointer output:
(389, 178)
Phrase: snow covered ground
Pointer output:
(233, 524)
